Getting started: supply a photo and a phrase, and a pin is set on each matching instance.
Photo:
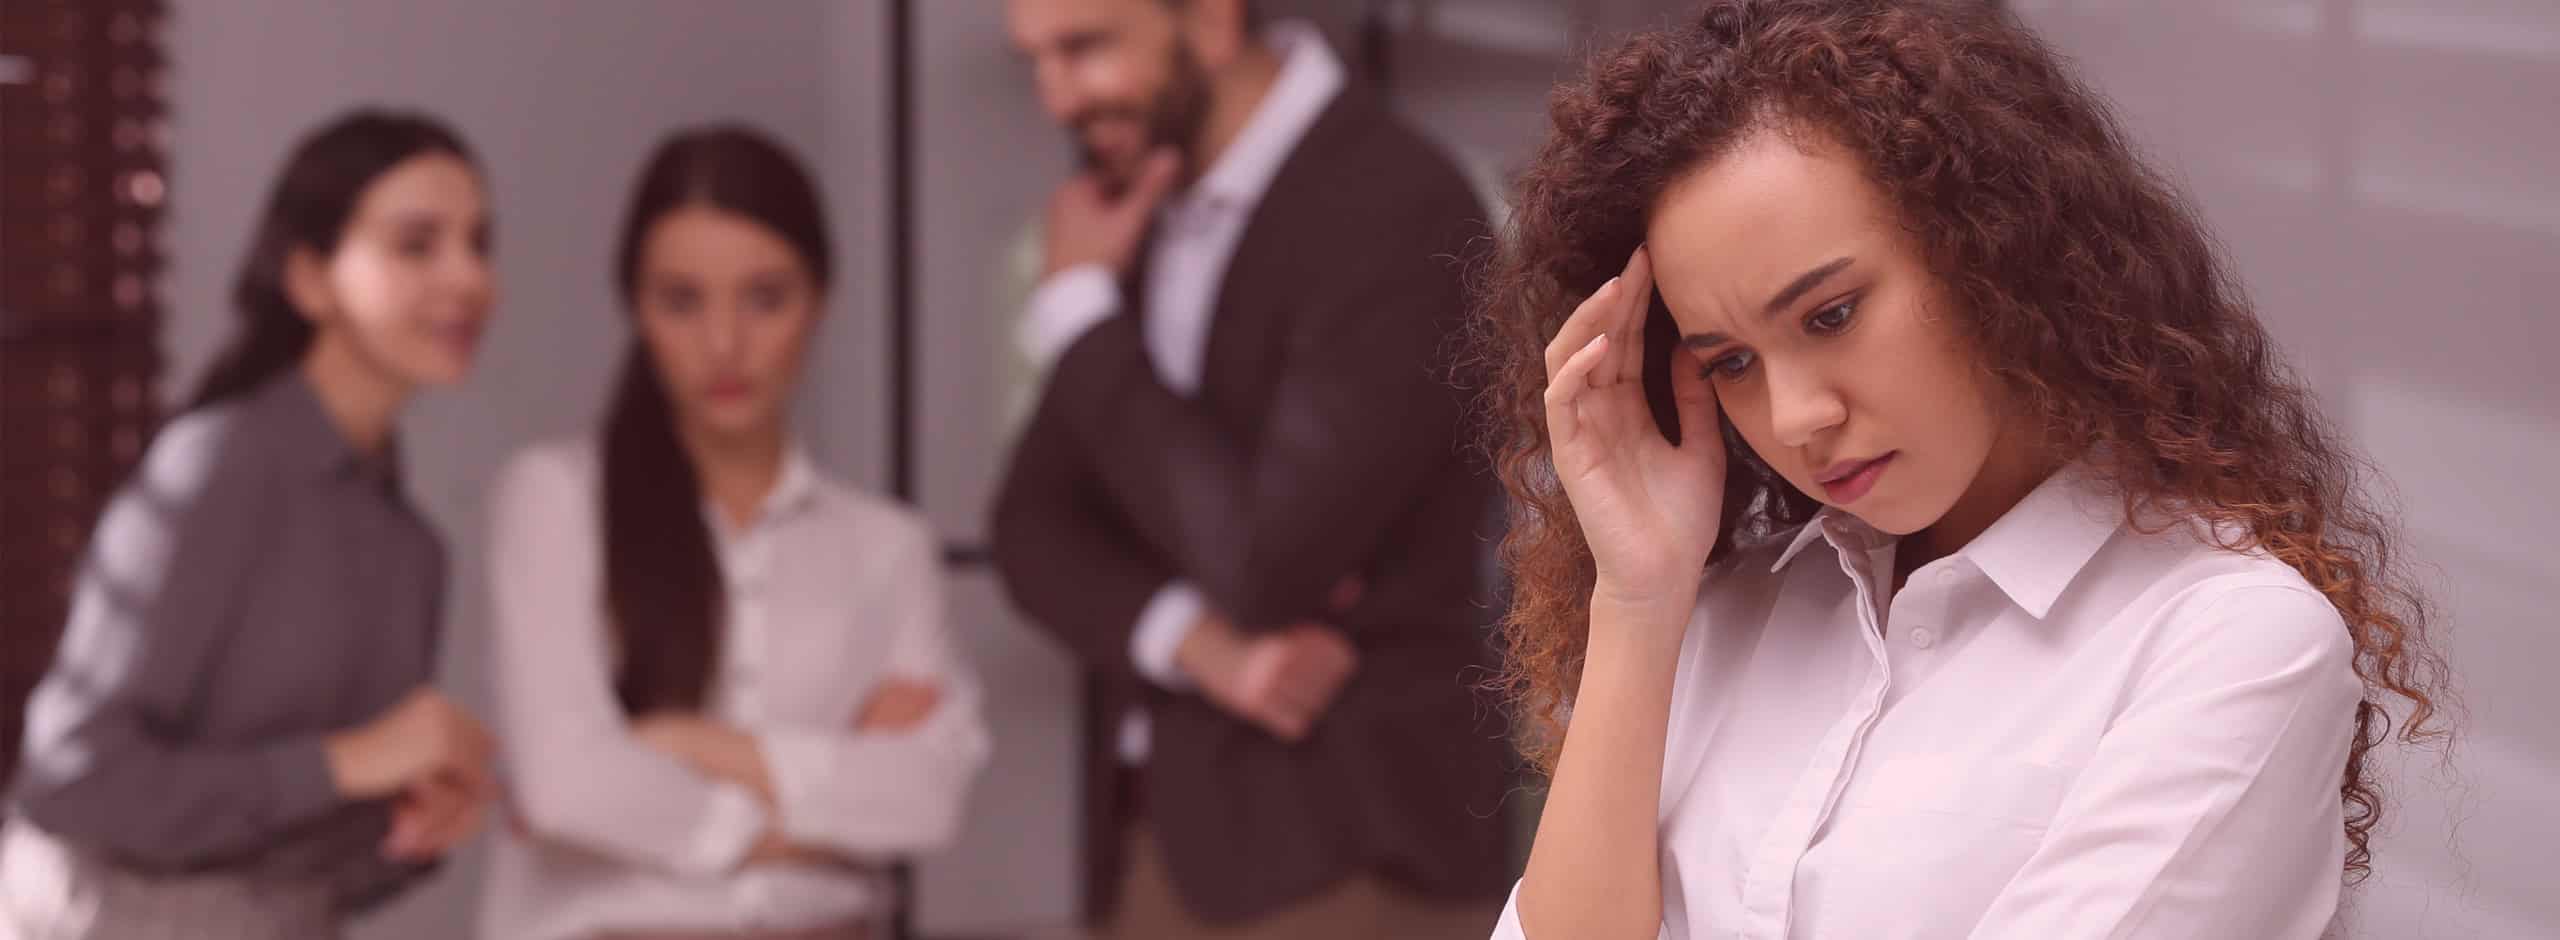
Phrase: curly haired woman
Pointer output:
(1918, 536)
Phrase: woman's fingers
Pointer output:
(459, 826)
(1633, 299)
(1617, 309)
(1592, 319)
(898, 704)
(1568, 385)
(1695, 398)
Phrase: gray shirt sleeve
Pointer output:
(374, 881)
(108, 759)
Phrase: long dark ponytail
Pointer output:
(324, 178)
(663, 589)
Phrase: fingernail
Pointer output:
(1596, 340)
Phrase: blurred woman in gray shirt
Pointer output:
(238, 737)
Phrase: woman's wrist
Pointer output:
(355, 765)
(1645, 601)
(725, 752)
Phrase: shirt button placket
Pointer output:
(1768, 892)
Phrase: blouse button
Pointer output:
(1922, 638)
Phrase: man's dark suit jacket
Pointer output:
(1326, 440)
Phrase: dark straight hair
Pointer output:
(324, 178)
(663, 590)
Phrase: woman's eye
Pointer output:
(679, 302)
(1731, 365)
(1832, 319)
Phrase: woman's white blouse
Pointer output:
(2068, 729)
(829, 592)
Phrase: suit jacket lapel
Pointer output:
(1264, 278)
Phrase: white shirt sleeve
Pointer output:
(868, 793)
(573, 771)
(1062, 308)
(2210, 808)
(1508, 928)
(1168, 618)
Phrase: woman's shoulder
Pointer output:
(2213, 588)
(2196, 560)
(571, 456)
(877, 515)
(217, 448)
(558, 469)
(869, 532)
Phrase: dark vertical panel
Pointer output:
(82, 182)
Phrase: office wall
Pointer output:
(985, 160)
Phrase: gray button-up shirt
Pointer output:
(256, 586)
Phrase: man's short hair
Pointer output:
(1252, 12)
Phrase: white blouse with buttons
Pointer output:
(2067, 729)
(830, 591)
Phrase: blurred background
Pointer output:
(2381, 170)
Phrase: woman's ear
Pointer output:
(306, 284)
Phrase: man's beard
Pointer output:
(1173, 120)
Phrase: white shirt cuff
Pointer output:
(729, 829)
(1137, 738)
(795, 762)
(1062, 308)
(1167, 619)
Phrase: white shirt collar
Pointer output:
(797, 485)
(1310, 76)
(794, 490)
(2032, 552)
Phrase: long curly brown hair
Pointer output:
(2089, 288)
